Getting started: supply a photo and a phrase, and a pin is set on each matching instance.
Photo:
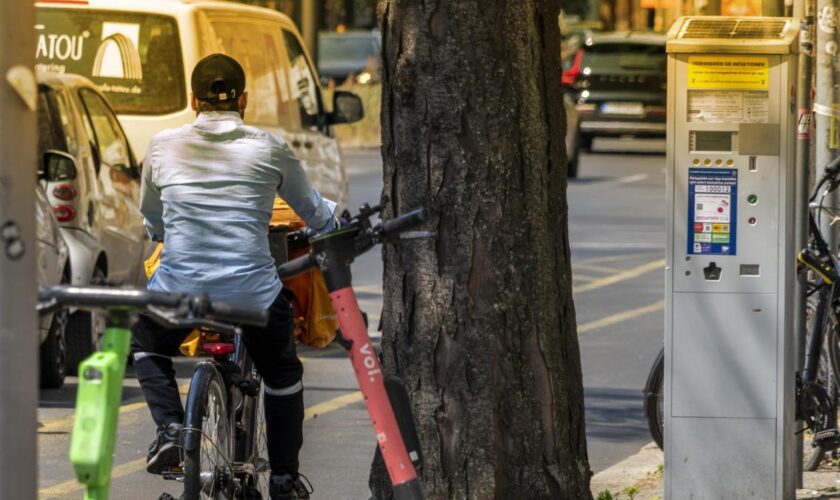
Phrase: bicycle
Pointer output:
(101, 374)
(818, 387)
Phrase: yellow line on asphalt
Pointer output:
(377, 289)
(139, 464)
(332, 405)
(614, 258)
(620, 276)
(622, 316)
(66, 424)
(583, 277)
(598, 268)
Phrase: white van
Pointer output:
(141, 55)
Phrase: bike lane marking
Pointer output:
(612, 279)
(66, 424)
(133, 466)
(622, 316)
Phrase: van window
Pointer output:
(303, 82)
(113, 147)
(134, 59)
(257, 48)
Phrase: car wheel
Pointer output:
(84, 331)
(53, 362)
(585, 143)
(573, 159)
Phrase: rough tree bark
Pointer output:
(480, 322)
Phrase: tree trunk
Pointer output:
(479, 322)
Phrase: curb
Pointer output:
(629, 471)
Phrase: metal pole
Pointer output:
(310, 24)
(18, 327)
(825, 100)
(804, 9)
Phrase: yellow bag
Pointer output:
(189, 347)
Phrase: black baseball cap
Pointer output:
(218, 78)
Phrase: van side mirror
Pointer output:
(57, 166)
(347, 108)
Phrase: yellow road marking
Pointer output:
(332, 405)
(368, 288)
(614, 258)
(139, 464)
(622, 316)
(620, 276)
(598, 268)
(583, 277)
(66, 424)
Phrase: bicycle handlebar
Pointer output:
(297, 266)
(183, 307)
(404, 222)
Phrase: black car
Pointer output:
(351, 54)
(618, 84)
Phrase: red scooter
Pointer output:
(386, 397)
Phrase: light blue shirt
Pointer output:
(208, 190)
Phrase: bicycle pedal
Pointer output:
(173, 474)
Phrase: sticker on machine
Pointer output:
(712, 211)
(728, 72)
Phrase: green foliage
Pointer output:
(631, 492)
(606, 495)
(660, 469)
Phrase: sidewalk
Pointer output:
(641, 475)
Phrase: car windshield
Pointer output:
(340, 48)
(624, 58)
(134, 59)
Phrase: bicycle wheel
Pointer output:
(654, 404)
(207, 437)
(258, 446)
(827, 378)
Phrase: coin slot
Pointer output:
(712, 272)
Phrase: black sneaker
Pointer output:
(165, 451)
(283, 487)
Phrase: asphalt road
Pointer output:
(617, 214)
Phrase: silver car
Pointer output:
(52, 269)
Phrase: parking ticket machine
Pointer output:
(729, 370)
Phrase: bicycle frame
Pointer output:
(97, 409)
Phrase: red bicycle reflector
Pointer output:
(218, 348)
(64, 192)
(64, 213)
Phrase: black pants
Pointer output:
(273, 350)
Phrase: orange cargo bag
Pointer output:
(315, 320)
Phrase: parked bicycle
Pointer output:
(818, 386)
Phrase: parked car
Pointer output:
(353, 54)
(51, 269)
(618, 84)
(98, 206)
(140, 55)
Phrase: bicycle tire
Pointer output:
(654, 399)
(257, 445)
(826, 372)
(207, 438)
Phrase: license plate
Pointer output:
(623, 108)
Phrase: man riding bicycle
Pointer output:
(207, 190)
